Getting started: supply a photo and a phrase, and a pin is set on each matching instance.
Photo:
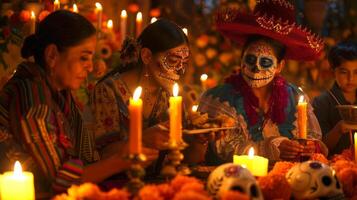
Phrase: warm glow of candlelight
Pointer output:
(154, 19)
(98, 6)
(137, 93)
(33, 16)
(110, 24)
(204, 77)
(355, 143)
(75, 8)
(185, 31)
(300, 89)
(123, 13)
(194, 108)
(301, 99)
(17, 169)
(139, 17)
(251, 153)
(175, 90)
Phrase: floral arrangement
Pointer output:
(346, 171)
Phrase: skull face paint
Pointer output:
(259, 64)
(172, 64)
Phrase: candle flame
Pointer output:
(75, 8)
(175, 90)
(33, 16)
(137, 93)
(301, 99)
(251, 152)
(56, 2)
(17, 169)
(98, 6)
(123, 14)
(244, 166)
(139, 16)
(333, 172)
(185, 31)
(194, 108)
(204, 77)
(110, 24)
(154, 19)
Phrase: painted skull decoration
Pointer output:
(172, 64)
(259, 64)
(314, 180)
(231, 176)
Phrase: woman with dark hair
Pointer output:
(40, 124)
(262, 102)
(343, 62)
(155, 61)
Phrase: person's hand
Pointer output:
(155, 138)
(342, 127)
(310, 148)
(289, 149)
(151, 155)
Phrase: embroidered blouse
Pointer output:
(264, 133)
(328, 115)
(109, 105)
(42, 129)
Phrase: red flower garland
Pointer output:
(277, 102)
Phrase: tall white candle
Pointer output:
(139, 23)
(98, 11)
(123, 21)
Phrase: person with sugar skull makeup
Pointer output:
(155, 61)
(261, 101)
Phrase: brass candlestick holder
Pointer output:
(173, 166)
(136, 172)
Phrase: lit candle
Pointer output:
(355, 139)
(257, 165)
(98, 11)
(302, 117)
(75, 8)
(185, 31)
(123, 19)
(175, 116)
(110, 28)
(139, 23)
(194, 108)
(56, 5)
(32, 23)
(154, 19)
(19, 185)
(203, 79)
(135, 113)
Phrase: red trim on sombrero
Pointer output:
(301, 44)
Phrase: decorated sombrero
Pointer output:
(274, 19)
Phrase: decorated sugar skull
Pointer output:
(231, 176)
(314, 180)
(260, 63)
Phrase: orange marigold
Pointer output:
(191, 195)
(234, 195)
(319, 157)
(179, 181)
(281, 167)
(275, 186)
(348, 179)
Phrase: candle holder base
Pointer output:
(174, 167)
(135, 173)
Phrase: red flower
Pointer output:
(25, 15)
(43, 15)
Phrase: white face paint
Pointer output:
(259, 64)
(172, 64)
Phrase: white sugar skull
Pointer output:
(231, 176)
(314, 180)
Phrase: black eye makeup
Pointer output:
(250, 59)
(266, 62)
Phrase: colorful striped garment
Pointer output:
(42, 128)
